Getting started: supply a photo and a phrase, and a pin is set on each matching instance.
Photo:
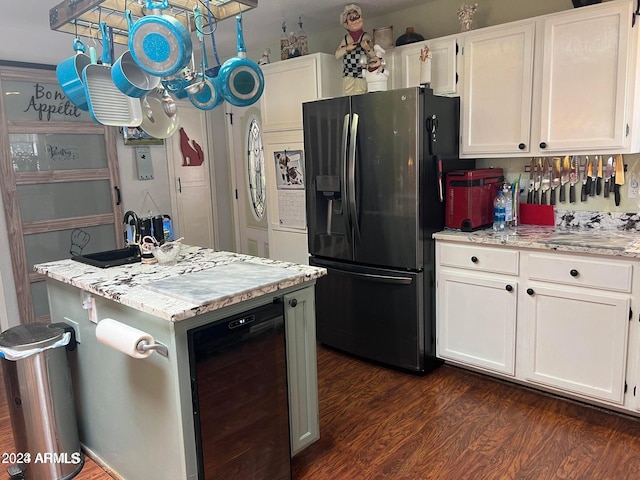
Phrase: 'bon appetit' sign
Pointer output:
(49, 103)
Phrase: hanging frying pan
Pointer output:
(241, 79)
(108, 105)
(209, 96)
(159, 43)
(69, 73)
(155, 121)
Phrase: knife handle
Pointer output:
(592, 188)
(616, 194)
(552, 197)
(536, 197)
(563, 194)
(543, 198)
(598, 186)
(530, 196)
(606, 189)
(572, 194)
(584, 191)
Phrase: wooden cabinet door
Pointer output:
(477, 320)
(497, 91)
(585, 71)
(576, 340)
(300, 325)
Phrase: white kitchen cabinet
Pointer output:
(299, 312)
(470, 278)
(555, 321)
(575, 313)
(559, 83)
(576, 341)
(289, 83)
(497, 90)
(444, 64)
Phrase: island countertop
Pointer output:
(201, 281)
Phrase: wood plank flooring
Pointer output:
(378, 423)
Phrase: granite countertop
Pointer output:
(201, 281)
(620, 243)
(604, 233)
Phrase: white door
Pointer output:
(191, 158)
(248, 166)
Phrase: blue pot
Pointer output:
(69, 73)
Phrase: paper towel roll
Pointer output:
(123, 337)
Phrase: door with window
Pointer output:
(247, 156)
(59, 181)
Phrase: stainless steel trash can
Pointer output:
(40, 401)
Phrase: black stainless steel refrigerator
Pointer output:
(375, 166)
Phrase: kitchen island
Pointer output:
(135, 415)
(554, 308)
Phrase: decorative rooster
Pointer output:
(192, 156)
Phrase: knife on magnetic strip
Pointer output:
(555, 178)
(586, 179)
(565, 171)
(574, 176)
(532, 176)
(619, 178)
(599, 178)
(608, 170)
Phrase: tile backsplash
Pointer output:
(513, 167)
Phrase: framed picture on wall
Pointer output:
(136, 136)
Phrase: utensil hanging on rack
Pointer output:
(241, 79)
(69, 74)
(108, 105)
(159, 43)
(209, 96)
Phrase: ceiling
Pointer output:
(262, 25)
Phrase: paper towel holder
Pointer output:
(143, 347)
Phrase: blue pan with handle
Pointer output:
(209, 96)
(69, 73)
(159, 43)
(240, 78)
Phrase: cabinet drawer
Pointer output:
(580, 271)
(485, 259)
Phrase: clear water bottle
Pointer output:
(499, 212)
(508, 197)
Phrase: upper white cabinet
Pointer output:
(496, 99)
(587, 79)
(290, 83)
(559, 83)
(444, 64)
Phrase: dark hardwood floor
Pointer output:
(378, 423)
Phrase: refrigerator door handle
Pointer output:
(374, 278)
(345, 191)
(353, 207)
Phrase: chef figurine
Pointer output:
(355, 49)
(375, 74)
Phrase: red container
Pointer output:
(470, 195)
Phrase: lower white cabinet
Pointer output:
(576, 340)
(480, 337)
(556, 321)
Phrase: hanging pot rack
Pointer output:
(81, 17)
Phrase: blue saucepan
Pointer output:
(241, 79)
(159, 43)
(69, 73)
